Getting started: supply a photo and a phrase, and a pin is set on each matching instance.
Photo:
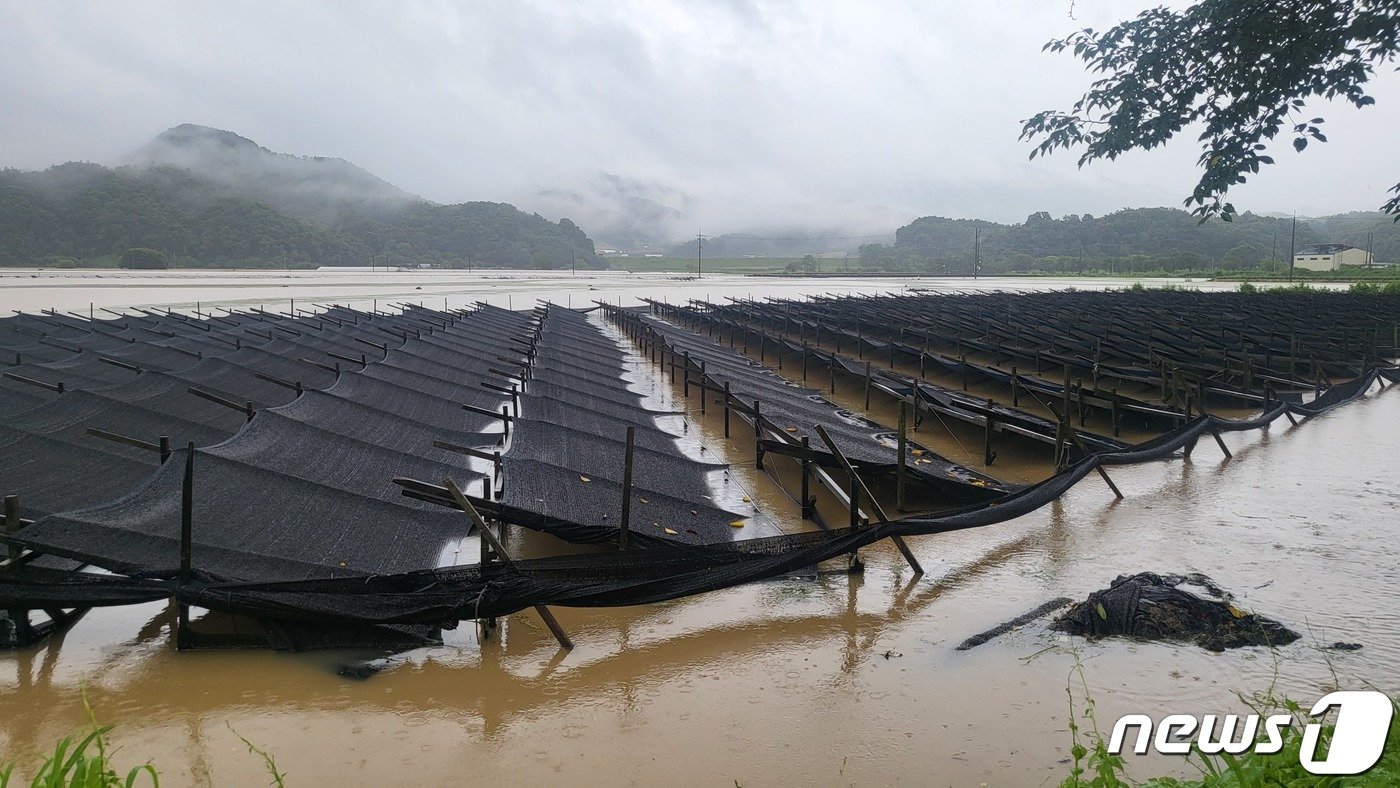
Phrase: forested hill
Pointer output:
(1139, 239)
(259, 209)
(316, 189)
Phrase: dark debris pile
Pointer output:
(1154, 607)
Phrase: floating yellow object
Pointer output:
(584, 479)
(643, 500)
(917, 452)
(668, 530)
(792, 429)
(737, 524)
(746, 499)
(1236, 612)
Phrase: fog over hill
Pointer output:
(312, 188)
(208, 197)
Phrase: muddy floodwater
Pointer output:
(830, 679)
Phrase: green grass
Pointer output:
(88, 762)
(1095, 767)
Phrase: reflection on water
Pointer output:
(821, 680)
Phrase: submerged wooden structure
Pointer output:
(318, 472)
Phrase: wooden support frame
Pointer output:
(465, 505)
(901, 466)
(858, 485)
(1074, 436)
(246, 407)
(627, 488)
(184, 636)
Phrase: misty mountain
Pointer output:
(237, 204)
(311, 188)
(619, 212)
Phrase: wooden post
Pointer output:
(704, 388)
(1074, 436)
(901, 469)
(1059, 441)
(1065, 392)
(164, 448)
(627, 483)
(867, 385)
(187, 516)
(1114, 415)
(758, 435)
(854, 495)
(685, 387)
(1221, 443)
(807, 511)
(963, 358)
(804, 361)
(19, 616)
(988, 456)
(1015, 392)
(726, 410)
(183, 637)
(466, 506)
(858, 484)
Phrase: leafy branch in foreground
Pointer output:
(1244, 69)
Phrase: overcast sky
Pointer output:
(738, 114)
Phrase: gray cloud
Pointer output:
(723, 115)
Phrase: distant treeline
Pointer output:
(85, 214)
(1138, 240)
(796, 244)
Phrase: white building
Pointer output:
(1330, 257)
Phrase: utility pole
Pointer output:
(1292, 244)
(976, 249)
(699, 244)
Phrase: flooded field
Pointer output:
(834, 679)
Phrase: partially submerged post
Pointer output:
(24, 633)
(726, 416)
(808, 507)
(859, 484)
(900, 468)
(758, 434)
(466, 505)
(183, 635)
(627, 486)
(867, 385)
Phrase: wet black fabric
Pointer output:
(795, 410)
(661, 571)
(307, 492)
(280, 556)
